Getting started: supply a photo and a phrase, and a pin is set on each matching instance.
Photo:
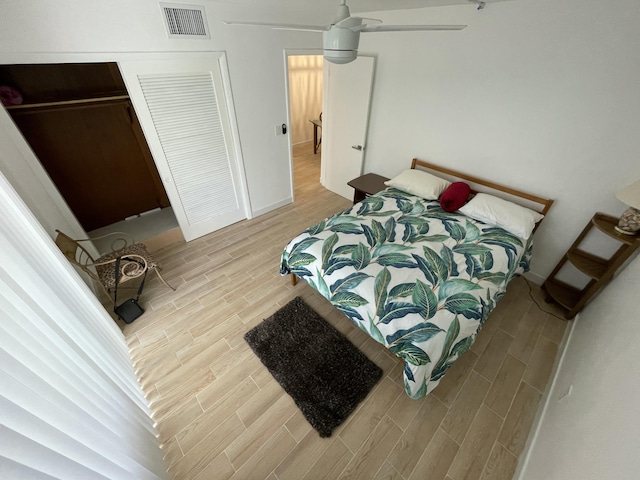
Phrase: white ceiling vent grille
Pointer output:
(185, 21)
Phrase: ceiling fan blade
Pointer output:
(278, 26)
(410, 28)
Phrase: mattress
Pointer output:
(417, 279)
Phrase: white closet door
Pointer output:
(186, 119)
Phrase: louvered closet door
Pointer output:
(183, 111)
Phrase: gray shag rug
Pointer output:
(324, 373)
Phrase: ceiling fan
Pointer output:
(340, 39)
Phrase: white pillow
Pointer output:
(501, 213)
(417, 182)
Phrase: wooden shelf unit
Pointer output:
(598, 269)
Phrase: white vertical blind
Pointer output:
(70, 405)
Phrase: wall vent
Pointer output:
(185, 21)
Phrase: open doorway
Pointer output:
(79, 121)
(305, 80)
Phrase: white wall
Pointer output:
(67, 30)
(593, 433)
(539, 94)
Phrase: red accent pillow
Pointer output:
(455, 196)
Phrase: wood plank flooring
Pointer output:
(221, 416)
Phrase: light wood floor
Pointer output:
(221, 415)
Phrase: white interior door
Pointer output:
(345, 119)
(186, 119)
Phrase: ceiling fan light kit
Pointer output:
(340, 40)
(340, 43)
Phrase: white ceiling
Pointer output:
(355, 6)
(380, 5)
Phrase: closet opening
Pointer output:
(79, 121)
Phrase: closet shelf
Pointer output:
(69, 103)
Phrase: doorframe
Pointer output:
(293, 52)
(117, 57)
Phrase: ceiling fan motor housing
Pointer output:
(340, 39)
(340, 45)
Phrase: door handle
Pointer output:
(357, 147)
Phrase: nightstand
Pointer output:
(366, 185)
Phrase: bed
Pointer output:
(418, 279)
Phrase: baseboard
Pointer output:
(534, 278)
(546, 399)
(273, 206)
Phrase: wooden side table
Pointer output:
(366, 185)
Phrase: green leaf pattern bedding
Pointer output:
(417, 279)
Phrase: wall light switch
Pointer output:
(278, 130)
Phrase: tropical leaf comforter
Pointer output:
(416, 278)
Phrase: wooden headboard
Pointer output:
(539, 204)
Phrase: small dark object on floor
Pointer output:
(324, 373)
(129, 310)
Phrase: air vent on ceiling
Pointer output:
(185, 21)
